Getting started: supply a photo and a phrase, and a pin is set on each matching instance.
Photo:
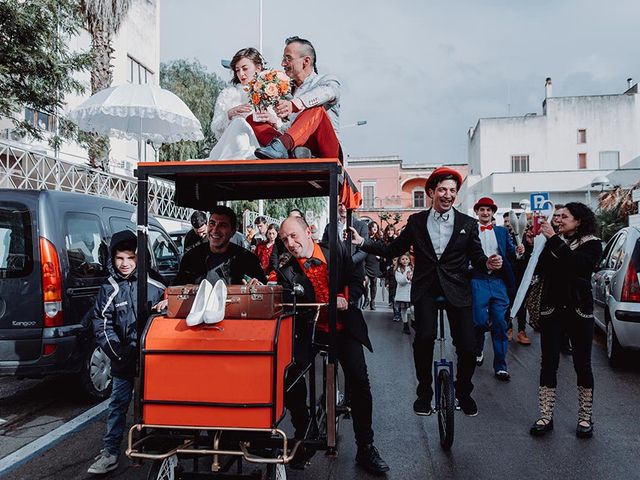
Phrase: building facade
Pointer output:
(136, 59)
(575, 141)
(391, 190)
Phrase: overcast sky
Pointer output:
(421, 72)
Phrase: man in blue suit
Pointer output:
(491, 288)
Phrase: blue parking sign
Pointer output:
(538, 200)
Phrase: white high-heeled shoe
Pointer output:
(214, 311)
(196, 315)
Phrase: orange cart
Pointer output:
(209, 400)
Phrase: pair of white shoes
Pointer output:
(209, 304)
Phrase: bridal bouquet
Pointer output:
(267, 88)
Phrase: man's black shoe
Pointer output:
(301, 459)
(369, 459)
(468, 406)
(275, 149)
(422, 407)
(503, 376)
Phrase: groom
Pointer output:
(312, 115)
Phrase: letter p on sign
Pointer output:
(538, 200)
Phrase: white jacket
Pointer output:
(403, 291)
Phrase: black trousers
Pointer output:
(351, 357)
(373, 288)
(553, 327)
(463, 333)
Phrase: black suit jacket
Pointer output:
(358, 255)
(193, 267)
(347, 277)
(451, 272)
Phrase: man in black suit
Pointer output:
(357, 255)
(444, 241)
(309, 267)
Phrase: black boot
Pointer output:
(369, 459)
(547, 402)
(584, 429)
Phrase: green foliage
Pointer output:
(610, 222)
(392, 218)
(280, 208)
(36, 64)
(199, 89)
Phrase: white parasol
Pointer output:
(539, 242)
(138, 112)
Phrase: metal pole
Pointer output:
(260, 29)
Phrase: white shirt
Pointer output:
(489, 241)
(440, 229)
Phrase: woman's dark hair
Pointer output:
(251, 54)
(588, 222)
(273, 226)
(378, 235)
(388, 229)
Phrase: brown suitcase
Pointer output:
(181, 299)
(257, 301)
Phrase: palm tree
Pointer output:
(103, 20)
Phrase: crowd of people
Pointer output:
(474, 264)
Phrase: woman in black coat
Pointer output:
(372, 265)
(565, 266)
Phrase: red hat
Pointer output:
(485, 202)
(441, 172)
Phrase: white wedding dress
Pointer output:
(236, 139)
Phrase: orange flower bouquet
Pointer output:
(267, 88)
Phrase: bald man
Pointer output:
(309, 267)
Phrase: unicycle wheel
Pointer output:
(446, 409)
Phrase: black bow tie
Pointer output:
(313, 261)
(441, 216)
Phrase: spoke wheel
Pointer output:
(164, 469)
(446, 409)
(276, 472)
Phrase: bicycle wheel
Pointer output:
(446, 409)
(276, 472)
(164, 469)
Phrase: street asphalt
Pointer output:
(493, 445)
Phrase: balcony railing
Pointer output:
(23, 169)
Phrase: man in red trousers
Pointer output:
(311, 116)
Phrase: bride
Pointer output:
(235, 136)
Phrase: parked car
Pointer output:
(616, 293)
(178, 238)
(53, 259)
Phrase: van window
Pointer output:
(88, 254)
(119, 224)
(165, 253)
(16, 241)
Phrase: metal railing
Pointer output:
(22, 168)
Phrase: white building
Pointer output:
(136, 59)
(562, 151)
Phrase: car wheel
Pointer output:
(614, 349)
(95, 377)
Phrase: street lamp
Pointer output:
(600, 181)
(359, 123)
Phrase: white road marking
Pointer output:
(45, 442)
(2, 420)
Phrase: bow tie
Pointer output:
(313, 261)
(441, 216)
(486, 227)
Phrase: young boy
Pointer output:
(114, 324)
